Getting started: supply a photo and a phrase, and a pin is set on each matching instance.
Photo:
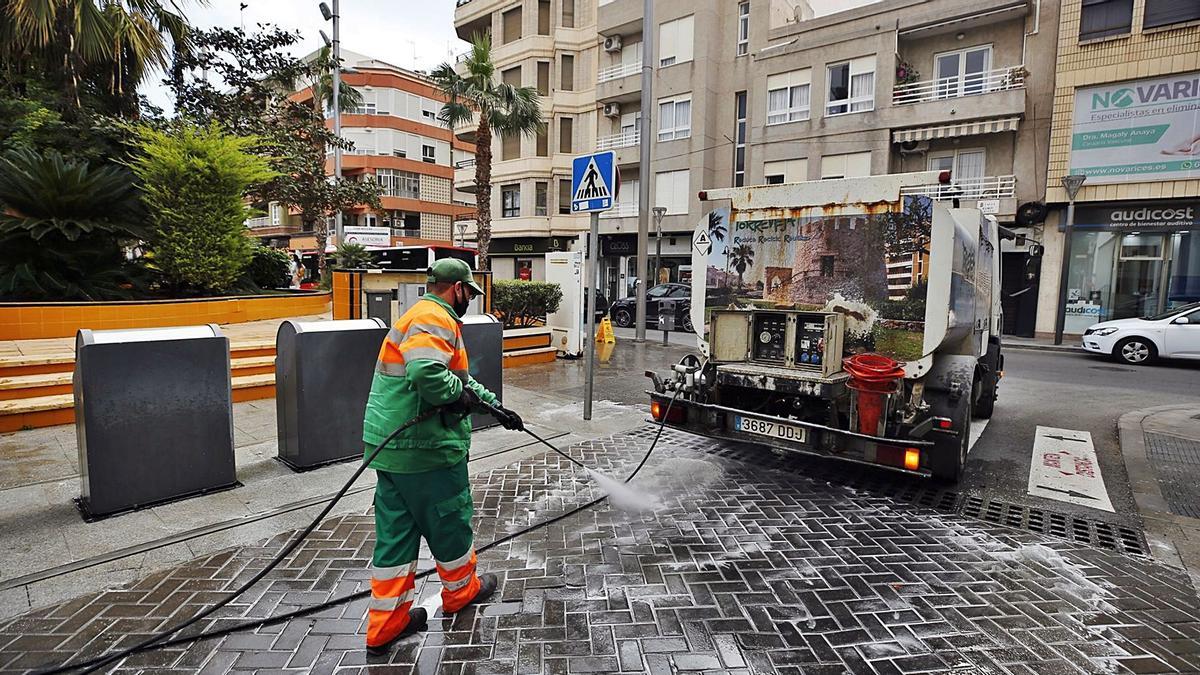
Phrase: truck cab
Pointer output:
(851, 318)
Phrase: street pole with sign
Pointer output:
(593, 189)
(649, 31)
(659, 212)
(1071, 184)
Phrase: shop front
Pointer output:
(524, 257)
(618, 262)
(1131, 260)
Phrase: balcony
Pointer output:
(464, 175)
(259, 222)
(618, 71)
(985, 187)
(627, 139)
(465, 131)
(621, 210)
(972, 84)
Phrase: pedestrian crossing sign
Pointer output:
(593, 182)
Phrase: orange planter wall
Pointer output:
(26, 321)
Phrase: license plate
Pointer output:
(784, 432)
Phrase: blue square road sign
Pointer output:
(594, 182)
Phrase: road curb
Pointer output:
(1044, 348)
(1160, 523)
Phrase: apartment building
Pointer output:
(1127, 116)
(551, 45)
(398, 143)
(769, 91)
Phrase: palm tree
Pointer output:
(741, 257)
(125, 39)
(349, 98)
(716, 227)
(503, 109)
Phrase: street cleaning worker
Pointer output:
(422, 488)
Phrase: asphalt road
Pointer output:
(1069, 390)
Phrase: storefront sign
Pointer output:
(528, 245)
(618, 244)
(1160, 216)
(989, 206)
(1142, 130)
(368, 236)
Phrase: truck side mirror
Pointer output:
(1035, 250)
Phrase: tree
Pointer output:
(505, 110)
(105, 46)
(193, 182)
(321, 85)
(716, 226)
(249, 79)
(741, 257)
(62, 226)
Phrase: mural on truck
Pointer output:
(870, 265)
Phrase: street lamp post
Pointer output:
(649, 29)
(659, 212)
(336, 46)
(1071, 184)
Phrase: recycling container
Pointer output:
(323, 372)
(483, 335)
(153, 416)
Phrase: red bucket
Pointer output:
(873, 376)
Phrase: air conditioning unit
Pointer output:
(912, 147)
(612, 109)
(612, 43)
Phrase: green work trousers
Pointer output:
(434, 504)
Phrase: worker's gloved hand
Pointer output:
(507, 418)
(468, 401)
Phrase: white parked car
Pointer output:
(1174, 334)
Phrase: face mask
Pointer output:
(462, 301)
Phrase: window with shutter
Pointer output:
(512, 25)
(1168, 12)
(1105, 18)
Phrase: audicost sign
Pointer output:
(1141, 130)
(1140, 217)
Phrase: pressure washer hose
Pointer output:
(159, 640)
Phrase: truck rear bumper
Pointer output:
(817, 440)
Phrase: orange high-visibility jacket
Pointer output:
(422, 364)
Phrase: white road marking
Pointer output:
(1064, 467)
(977, 426)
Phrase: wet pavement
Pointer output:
(745, 564)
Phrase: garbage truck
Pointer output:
(854, 318)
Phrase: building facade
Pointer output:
(766, 91)
(1126, 115)
(399, 143)
(550, 45)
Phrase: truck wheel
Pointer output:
(623, 318)
(989, 381)
(949, 455)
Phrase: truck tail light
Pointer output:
(943, 423)
(905, 458)
(675, 415)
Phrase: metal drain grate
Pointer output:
(931, 495)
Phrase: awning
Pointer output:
(952, 130)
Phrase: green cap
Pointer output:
(451, 270)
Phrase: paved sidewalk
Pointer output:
(1069, 344)
(745, 566)
(1161, 448)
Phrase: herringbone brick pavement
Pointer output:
(743, 565)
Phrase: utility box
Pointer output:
(666, 314)
(153, 416)
(379, 306)
(323, 372)
(483, 336)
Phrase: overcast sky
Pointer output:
(408, 33)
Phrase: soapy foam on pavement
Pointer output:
(621, 495)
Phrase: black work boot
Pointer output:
(487, 588)
(418, 620)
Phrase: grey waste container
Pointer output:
(667, 309)
(484, 338)
(153, 416)
(323, 372)
(379, 306)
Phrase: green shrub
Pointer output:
(193, 180)
(63, 228)
(269, 267)
(524, 303)
(352, 256)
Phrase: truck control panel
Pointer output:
(807, 341)
(770, 337)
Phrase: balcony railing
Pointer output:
(985, 187)
(621, 210)
(970, 84)
(261, 221)
(624, 139)
(618, 71)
